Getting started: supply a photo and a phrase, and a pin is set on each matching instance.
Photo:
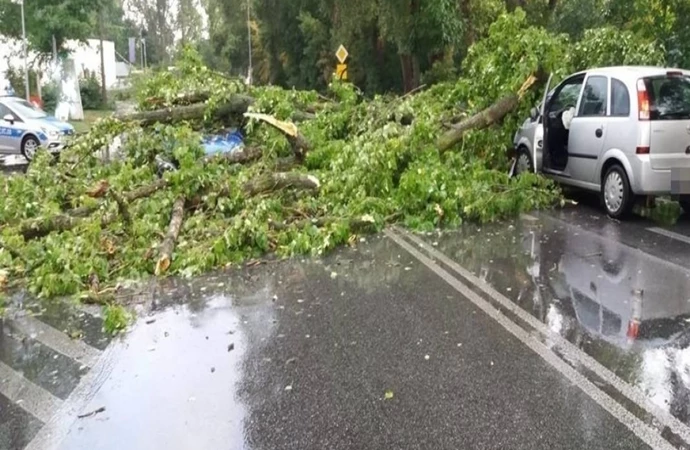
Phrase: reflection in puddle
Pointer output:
(628, 309)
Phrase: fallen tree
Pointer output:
(351, 167)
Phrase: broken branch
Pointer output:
(237, 105)
(281, 180)
(300, 145)
(485, 118)
(37, 228)
(168, 245)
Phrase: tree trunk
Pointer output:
(407, 72)
(167, 247)
(485, 118)
(237, 105)
(277, 181)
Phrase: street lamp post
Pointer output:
(25, 51)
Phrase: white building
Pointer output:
(86, 56)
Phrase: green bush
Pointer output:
(90, 88)
(50, 95)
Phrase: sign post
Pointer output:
(341, 69)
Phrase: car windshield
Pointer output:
(670, 99)
(26, 109)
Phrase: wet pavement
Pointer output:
(556, 330)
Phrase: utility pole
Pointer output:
(26, 53)
(104, 89)
(249, 40)
(146, 57)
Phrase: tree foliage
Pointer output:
(45, 19)
(376, 161)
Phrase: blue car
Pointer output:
(24, 128)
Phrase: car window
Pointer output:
(620, 99)
(594, 97)
(669, 97)
(567, 96)
(26, 109)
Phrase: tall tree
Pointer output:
(188, 21)
(48, 19)
(156, 17)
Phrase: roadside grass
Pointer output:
(90, 117)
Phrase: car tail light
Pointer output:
(633, 329)
(674, 74)
(642, 101)
(642, 150)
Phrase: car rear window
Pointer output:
(669, 97)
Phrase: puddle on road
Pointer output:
(628, 310)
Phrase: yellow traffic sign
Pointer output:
(341, 72)
(342, 54)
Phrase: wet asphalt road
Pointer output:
(557, 330)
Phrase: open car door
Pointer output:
(541, 135)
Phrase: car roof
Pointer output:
(636, 71)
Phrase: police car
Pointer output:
(24, 128)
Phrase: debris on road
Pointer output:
(92, 413)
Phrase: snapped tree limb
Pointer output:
(165, 251)
(281, 180)
(237, 105)
(300, 145)
(40, 227)
(485, 118)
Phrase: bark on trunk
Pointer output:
(485, 118)
(37, 228)
(278, 181)
(247, 155)
(237, 105)
(167, 247)
(407, 76)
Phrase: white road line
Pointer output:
(32, 398)
(643, 431)
(55, 430)
(670, 234)
(567, 348)
(58, 341)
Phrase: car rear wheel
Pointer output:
(30, 146)
(616, 195)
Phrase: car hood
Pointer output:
(53, 123)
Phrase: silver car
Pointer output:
(621, 131)
(24, 129)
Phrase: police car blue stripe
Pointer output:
(11, 132)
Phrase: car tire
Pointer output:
(30, 146)
(616, 196)
(523, 162)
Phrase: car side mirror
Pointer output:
(9, 118)
(533, 114)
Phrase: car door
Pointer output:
(588, 130)
(6, 131)
(556, 134)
